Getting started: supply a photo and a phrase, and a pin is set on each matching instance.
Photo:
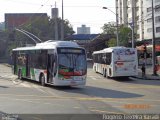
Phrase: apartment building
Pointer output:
(83, 30)
(141, 11)
(122, 10)
(148, 19)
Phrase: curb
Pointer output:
(140, 78)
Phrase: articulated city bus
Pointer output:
(60, 63)
(116, 62)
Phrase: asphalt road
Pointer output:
(99, 97)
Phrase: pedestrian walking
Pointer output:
(143, 68)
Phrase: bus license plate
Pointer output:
(77, 78)
(73, 83)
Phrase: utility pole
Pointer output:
(62, 25)
(117, 23)
(133, 16)
(56, 25)
(153, 43)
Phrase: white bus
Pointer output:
(60, 63)
(116, 62)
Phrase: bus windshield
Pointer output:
(72, 62)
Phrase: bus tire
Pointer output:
(110, 72)
(104, 73)
(95, 69)
(42, 79)
(20, 74)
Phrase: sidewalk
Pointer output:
(149, 75)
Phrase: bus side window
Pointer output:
(95, 58)
(21, 59)
(108, 58)
(42, 61)
(34, 59)
(104, 58)
(101, 58)
(98, 58)
(31, 59)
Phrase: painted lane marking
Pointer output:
(84, 98)
(26, 85)
(104, 111)
(37, 102)
(94, 78)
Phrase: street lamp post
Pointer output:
(116, 23)
(133, 11)
(62, 24)
(131, 24)
(153, 43)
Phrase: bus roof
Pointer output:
(110, 49)
(50, 44)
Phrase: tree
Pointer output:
(3, 43)
(109, 28)
(112, 42)
(11, 35)
(123, 32)
(124, 35)
(44, 28)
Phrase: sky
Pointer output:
(78, 12)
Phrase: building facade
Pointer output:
(83, 30)
(141, 10)
(122, 9)
(148, 19)
(2, 26)
(13, 20)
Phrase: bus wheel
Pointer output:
(104, 73)
(20, 74)
(42, 80)
(95, 69)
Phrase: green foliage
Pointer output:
(112, 42)
(109, 28)
(124, 35)
(10, 47)
(123, 32)
(42, 27)
(11, 36)
(3, 43)
(45, 28)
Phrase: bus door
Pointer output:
(27, 66)
(50, 67)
